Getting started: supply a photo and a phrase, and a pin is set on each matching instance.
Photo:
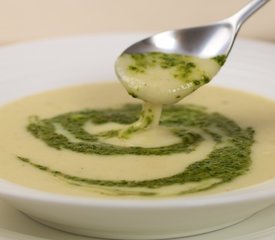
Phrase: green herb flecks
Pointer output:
(220, 59)
(182, 67)
(229, 159)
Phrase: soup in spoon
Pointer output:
(161, 79)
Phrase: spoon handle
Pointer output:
(242, 15)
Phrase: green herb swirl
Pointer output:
(229, 158)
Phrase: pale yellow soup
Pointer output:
(16, 141)
(149, 80)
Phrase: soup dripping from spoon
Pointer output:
(166, 67)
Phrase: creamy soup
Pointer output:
(160, 78)
(69, 141)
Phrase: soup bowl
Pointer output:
(39, 66)
(138, 219)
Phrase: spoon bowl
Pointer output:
(168, 66)
(203, 41)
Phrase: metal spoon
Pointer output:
(202, 41)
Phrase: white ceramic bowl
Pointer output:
(36, 67)
(138, 219)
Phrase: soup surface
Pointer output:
(68, 141)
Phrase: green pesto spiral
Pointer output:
(229, 158)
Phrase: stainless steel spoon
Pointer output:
(202, 41)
